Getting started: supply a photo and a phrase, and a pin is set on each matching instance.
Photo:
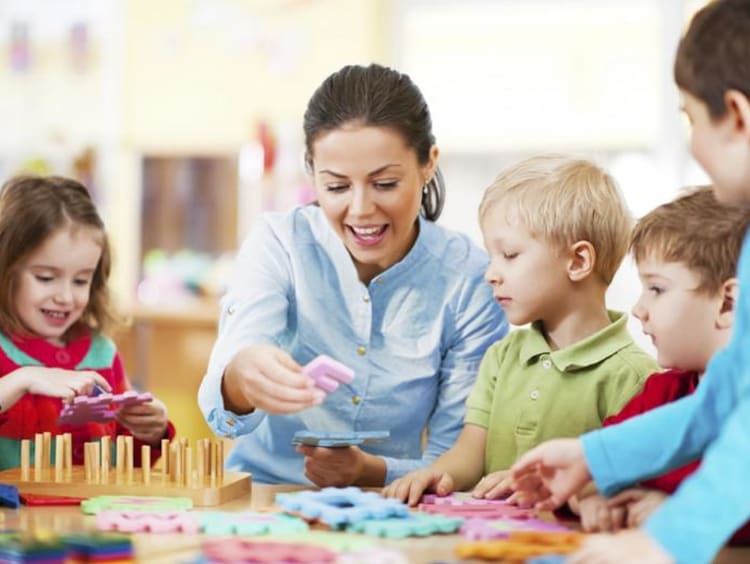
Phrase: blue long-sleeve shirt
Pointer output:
(414, 336)
(714, 423)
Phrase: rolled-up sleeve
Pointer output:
(254, 311)
(480, 322)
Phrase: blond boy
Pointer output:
(556, 230)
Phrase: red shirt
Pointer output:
(37, 414)
(662, 388)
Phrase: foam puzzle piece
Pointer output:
(147, 521)
(93, 547)
(413, 525)
(99, 503)
(520, 547)
(459, 498)
(235, 550)
(101, 408)
(468, 510)
(548, 559)
(338, 507)
(377, 556)
(9, 496)
(335, 541)
(250, 523)
(45, 500)
(328, 373)
(333, 439)
(31, 546)
(488, 529)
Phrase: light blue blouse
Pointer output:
(714, 422)
(414, 336)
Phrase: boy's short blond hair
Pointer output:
(696, 230)
(565, 200)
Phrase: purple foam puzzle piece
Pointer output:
(489, 529)
(101, 408)
(328, 373)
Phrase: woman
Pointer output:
(365, 277)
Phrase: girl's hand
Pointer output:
(147, 421)
(599, 515)
(410, 488)
(337, 467)
(59, 383)
(267, 378)
(641, 503)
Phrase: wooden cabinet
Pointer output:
(166, 352)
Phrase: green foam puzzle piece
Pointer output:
(135, 503)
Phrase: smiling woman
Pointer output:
(367, 278)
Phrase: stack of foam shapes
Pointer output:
(413, 525)
(333, 439)
(250, 523)
(147, 521)
(9, 496)
(328, 373)
(464, 505)
(238, 551)
(339, 507)
(101, 408)
(32, 547)
(519, 547)
(490, 529)
(99, 503)
(99, 547)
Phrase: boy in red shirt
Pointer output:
(686, 252)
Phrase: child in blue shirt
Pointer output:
(713, 74)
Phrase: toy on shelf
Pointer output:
(178, 473)
(101, 408)
(338, 507)
(334, 439)
(328, 373)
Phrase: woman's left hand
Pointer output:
(340, 466)
(147, 421)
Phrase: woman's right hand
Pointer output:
(266, 377)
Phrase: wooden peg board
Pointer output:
(73, 483)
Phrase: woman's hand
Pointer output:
(146, 421)
(338, 467)
(266, 377)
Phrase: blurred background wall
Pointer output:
(184, 118)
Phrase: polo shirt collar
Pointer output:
(592, 350)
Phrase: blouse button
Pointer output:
(62, 357)
(231, 310)
(547, 363)
(534, 394)
(366, 299)
(356, 400)
(361, 351)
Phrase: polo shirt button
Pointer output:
(356, 400)
(230, 422)
(534, 394)
(62, 357)
(366, 299)
(231, 309)
(361, 351)
(379, 280)
(547, 363)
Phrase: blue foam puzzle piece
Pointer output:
(9, 496)
(333, 439)
(548, 559)
(338, 507)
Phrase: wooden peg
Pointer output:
(38, 456)
(187, 466)
(201, 461)
(212, 473)
(129, 457)
(106, 458)
(47, 450)
(220, 461)
(146, 464)
(119, 457)
(68, 446)
(25, 459)
(165, 458)
(59, 458)
(96, 462)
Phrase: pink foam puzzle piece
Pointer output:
(459, 498)
(147, 522)
(261, 552)
(101, 408)
(328, 373)
(468, 510)
(491, 529)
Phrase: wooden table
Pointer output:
(170, 548)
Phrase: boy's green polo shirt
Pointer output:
(526, 393)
